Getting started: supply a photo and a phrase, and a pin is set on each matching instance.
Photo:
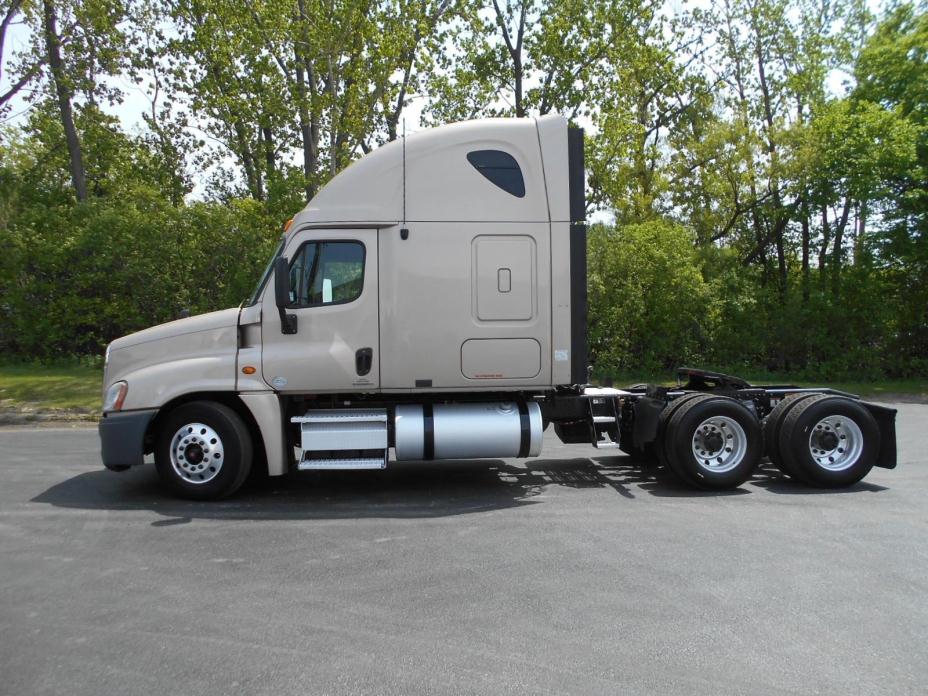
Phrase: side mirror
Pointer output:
(282, 295)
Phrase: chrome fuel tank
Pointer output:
(467, 431)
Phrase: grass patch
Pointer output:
(42, 387)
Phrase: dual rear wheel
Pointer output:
(822, 440)
(716, 442)
(710, 442)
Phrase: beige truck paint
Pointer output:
(431, 299)
(320, 357)
(433, 283)
(265, 407)
(371, 188)
(169, 360)
(197, 354)
(553, 141)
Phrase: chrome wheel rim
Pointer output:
(719, 444)
(197, 453)
(836, 443)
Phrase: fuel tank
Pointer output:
(468, 431)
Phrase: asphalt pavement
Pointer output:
(573, 573)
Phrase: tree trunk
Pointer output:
(270, 157)
(515, 52)
(823, 252)
(805, 252)
(309, 160)
(781, 261)
(252, 175)
(53, 47)
(779, 212)
(860, 246)
(838, 250)
(305, 85)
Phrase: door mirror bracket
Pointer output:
(282, 295)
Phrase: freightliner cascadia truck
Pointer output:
(430, 304)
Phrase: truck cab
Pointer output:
(451, 262)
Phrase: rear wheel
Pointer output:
(773, 423)
(203, 451)
(713, 442)
(667, 413)
(831, 440)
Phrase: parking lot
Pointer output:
(576, 572)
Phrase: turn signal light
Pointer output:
(115, 396)
(248, 370)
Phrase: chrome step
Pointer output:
(342, 415)
(605, 444)
(342, 464)
(350, 438)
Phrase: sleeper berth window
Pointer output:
(501, 168)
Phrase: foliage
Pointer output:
(649, 305)
(762, 164)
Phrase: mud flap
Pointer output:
(647, 417)
(886, 420)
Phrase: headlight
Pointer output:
(115, 396)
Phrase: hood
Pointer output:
(224, 318)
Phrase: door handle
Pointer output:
(363, 359)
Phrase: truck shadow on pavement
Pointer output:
(405, 490)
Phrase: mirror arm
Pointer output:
(287, 322)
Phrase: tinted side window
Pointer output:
(501, 168)
(325, 273)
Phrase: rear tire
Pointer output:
(713, 442)
(772, 425)
(663, 421)
(831, 440)
(203, 451)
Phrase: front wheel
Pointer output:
(203, 451)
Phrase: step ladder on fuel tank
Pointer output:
(343, 438)
(604, 422)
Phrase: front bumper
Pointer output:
(122, 436)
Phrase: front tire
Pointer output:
(203, 451)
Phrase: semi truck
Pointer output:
(429, 303)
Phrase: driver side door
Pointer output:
(334, 296)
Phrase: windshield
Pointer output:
(267, 274)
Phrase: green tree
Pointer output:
(649, 305)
